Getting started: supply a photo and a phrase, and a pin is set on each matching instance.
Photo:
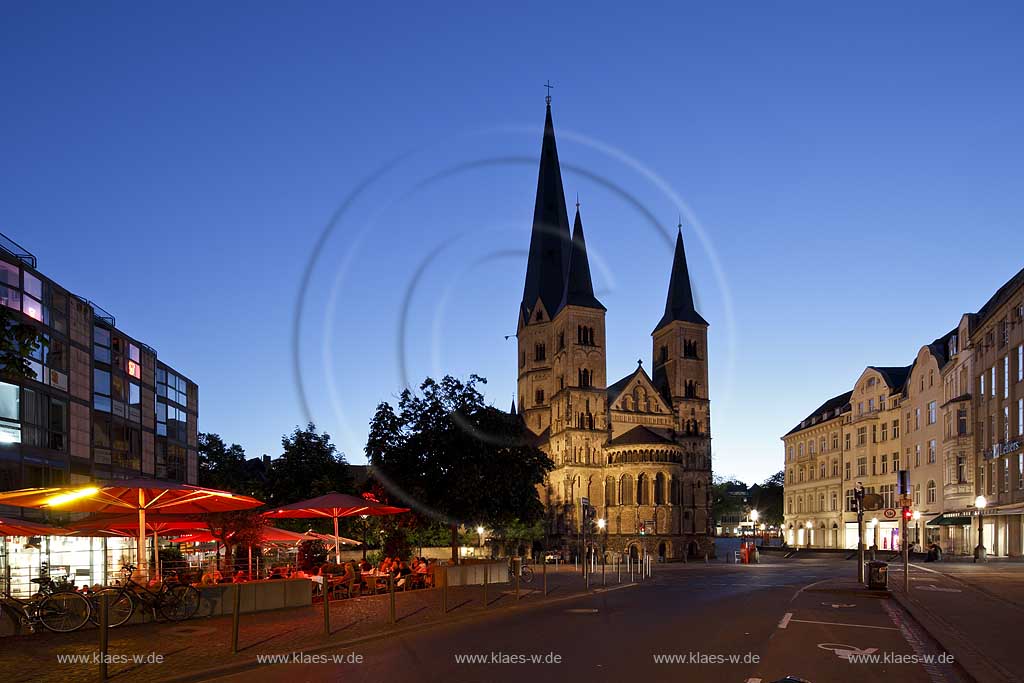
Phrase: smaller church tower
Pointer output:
(680, 351)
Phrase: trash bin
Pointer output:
(878, 576)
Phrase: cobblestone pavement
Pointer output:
(205, 643)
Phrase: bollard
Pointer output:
(487, 576)
(444, 590)
(618, 569)
(544, 574)
(515, 572)
(630, 562)
(236, 612)
(327, 606)
(391, 590)
(603, 583)
(705, 558)
(586, 579)
(104, 634)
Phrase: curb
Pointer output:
(238, 667)
(977, 666)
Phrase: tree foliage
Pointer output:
(767, 498)
(452, 455)
(238, 528)
(18, 341)
(724, 502)
(309, 466)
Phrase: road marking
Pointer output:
(785, 619)
(839, 623)
(581, 610)
(837, 605)
(844, 651)
(753, 680)
(938, 589)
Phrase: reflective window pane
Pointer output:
(33, 285)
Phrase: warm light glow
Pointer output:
(480, 530)
(874, 521)
(753, 515)
(980, 502)
(917, 515)
(133, 369)
(809, 525)
(601, 523)
(72, 495)
(763, 527)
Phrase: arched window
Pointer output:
(931, 491)
(609, 491)
(643, 495)
(659, 489)
(626, 490)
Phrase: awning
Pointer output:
(951, 519)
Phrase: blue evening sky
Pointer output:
(849, 176)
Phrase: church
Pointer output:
(632, 458)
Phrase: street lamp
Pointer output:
(601, 524)
(809, 526)
(979, 551)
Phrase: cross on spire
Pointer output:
(548, 85)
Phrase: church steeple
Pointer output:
(679, 302)
(549, 240)
(579, 288)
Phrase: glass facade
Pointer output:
(100, 406)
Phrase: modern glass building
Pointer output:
(102, 405)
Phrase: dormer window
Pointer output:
(953, 350)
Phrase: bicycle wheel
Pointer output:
(179, 603)
(527, 574)
(120, 607)
(64, 612)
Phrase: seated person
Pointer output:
(365, 566)
(275, 574)
(240, 577)
(423, 567)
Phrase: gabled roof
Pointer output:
(579, 288)
(549, 240)
(940, 347)
(679, 301)
(895, 376)
(615, 389)
(641, 434)
(826, 411)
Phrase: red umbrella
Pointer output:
(136, 495)
(334, 505)
(20, 527)
(269, 534)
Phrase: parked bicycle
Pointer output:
(525, 572)
(61, 611)
(175, 601)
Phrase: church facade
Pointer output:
(636, 451)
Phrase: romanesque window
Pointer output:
(663, 354)
(643, 495)
(609, 491)
(538, 397)
(584, 335)
(659, 489)
(539, 352)
(585, 378)
(626, 490)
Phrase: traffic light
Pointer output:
(908, 514)
(642, 529)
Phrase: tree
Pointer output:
(18, 341)
(234, 529)
(724, 502)
(310, 466)
(453, 458)
(767, 498)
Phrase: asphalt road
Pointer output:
(751, 624)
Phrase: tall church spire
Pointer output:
(549, 240)
(679, 302)
(579, 288)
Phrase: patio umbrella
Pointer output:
(20, 527)
(333, 505)
(269, 534)
(332, 539)
(135, 495)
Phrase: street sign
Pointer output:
(890, 513)
(873, 501)
(906, 501)
(585, 502)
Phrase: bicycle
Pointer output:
(175, 601)
(60, 611)
(525, 572)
